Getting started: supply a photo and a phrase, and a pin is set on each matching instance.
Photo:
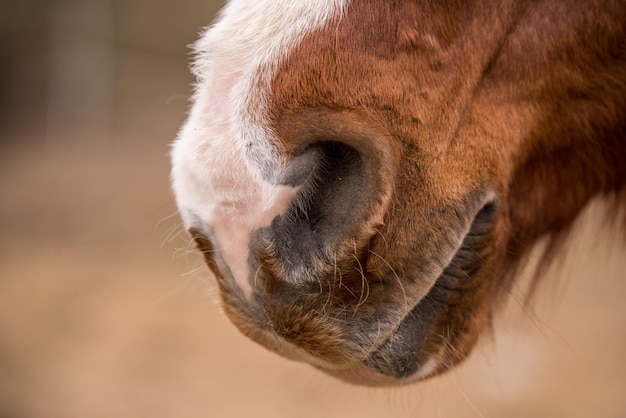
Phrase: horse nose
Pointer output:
(345, 173)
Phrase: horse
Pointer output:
(365, 178)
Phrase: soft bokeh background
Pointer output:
(106, 311)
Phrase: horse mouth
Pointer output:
(429, 339)
(419, 346)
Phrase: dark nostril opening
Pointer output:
(345, 171)
(332, 187)
(334, 184)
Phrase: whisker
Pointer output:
(256, 275)
(172, 233)
(393, 271)
(364, 284)
(328, 299)
(193, 271)
(467, 399)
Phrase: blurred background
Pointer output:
(106, 310)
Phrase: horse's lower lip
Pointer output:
(403, 354)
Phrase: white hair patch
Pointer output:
(225, 164)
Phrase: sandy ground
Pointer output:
(107, 311)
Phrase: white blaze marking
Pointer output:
(222, 151)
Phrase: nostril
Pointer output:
(334, 184)
(345, 173)
(332, 188)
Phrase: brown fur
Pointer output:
(525, 99)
